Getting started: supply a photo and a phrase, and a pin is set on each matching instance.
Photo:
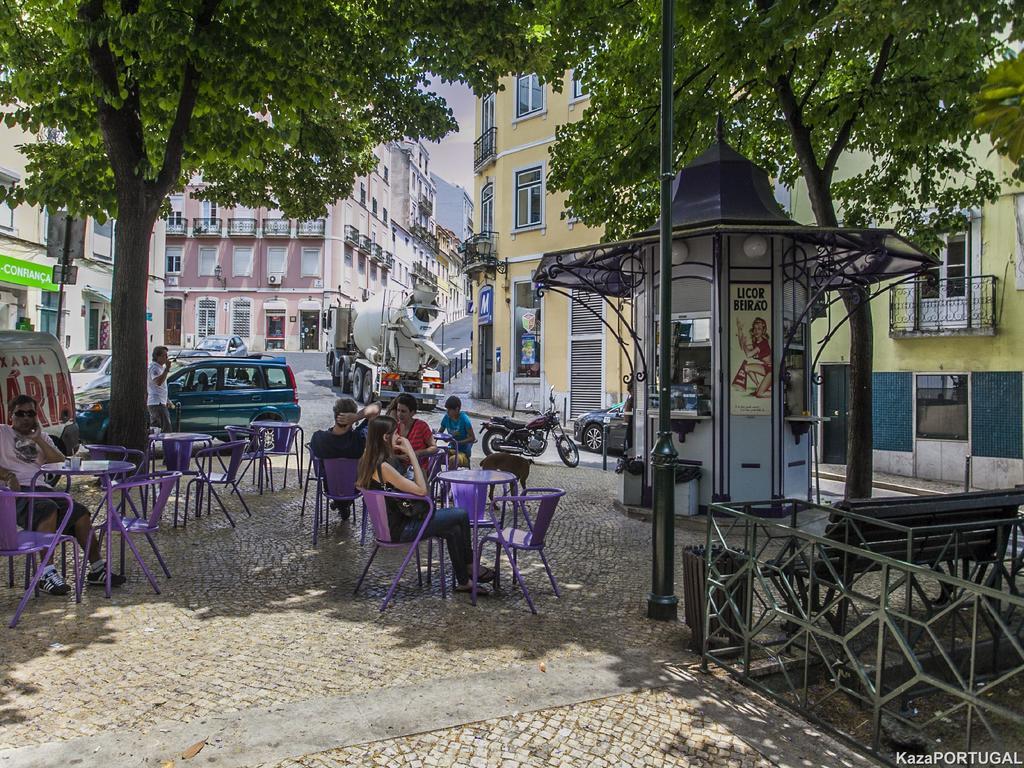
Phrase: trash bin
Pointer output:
(687, 490)
(695, 595)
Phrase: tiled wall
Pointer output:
(997, 399)
(892, 411)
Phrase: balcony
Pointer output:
(277, 227)
(209, 227)
(377, 253)
(485, 149)
(242, 227)
(177, 226)
(422, 273)
(425, 235)
(351, 235)
(311, 228)
(389, 260)
(480, 253)
(955, 306)
(364, 243)
(426, 206)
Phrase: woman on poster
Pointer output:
(757, 368)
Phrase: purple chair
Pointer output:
(336, 481)
(99, 452)
(530, 539)
(159, 485)
(14, 543)
(255, 454)
(437, 462)
(376, 506)
(282, 440)
(208, 476)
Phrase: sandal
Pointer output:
(468, 587)
(485, 576)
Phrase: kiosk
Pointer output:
(747, 281)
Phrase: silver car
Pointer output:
(217, 346)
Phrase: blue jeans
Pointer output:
(452, 525)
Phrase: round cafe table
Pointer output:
(469, 488)
(106, 470)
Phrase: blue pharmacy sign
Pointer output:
(485, 305)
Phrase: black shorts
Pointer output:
(44, 508)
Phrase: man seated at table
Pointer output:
(24, 448)
(346, 439)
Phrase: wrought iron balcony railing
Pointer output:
(946, 307)
(389, 260)
(377, 253)
(208, 227)
(242, 227)
(426, 206)
(311, 228)
(277, 227)
(364, 243)
(425, 235)
(485, 149)
(177, 226)
(351, 235)
(424, 274)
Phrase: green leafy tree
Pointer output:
(1000, 110)
(275, 102)
(803, 84)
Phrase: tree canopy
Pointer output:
(1000, 109)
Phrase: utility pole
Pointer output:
(662, 603)
(65, 241)
(65, 246)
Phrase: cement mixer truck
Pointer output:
(383, 346)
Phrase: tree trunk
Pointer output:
(859, 439)
(129, 343)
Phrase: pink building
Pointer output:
(270, 279)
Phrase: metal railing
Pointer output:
(311, 228)
(242, 227)
(351, 235)
(424, 274)
(206, 227)
(950, 306)
(277, 227)
(485, 148)
(424, 234)
(176, 226)
(426, 206)
(455, 366)
(389, 260)
(864, 644)
(377, 253)
(364, 243)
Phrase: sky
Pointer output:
(452, 157)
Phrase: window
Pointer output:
(529, 196)
(209, 209)
(48, 313)
(241, 377)
(202, 379)
(529, 95)
(173, 256)
(385, 215)
(106, 229)
(386, 179)
(362, 264)
(383, 277)
(241, 263)
(207, 261)
(241, 317)
(6, 216)
(527, 331)
(311, 262)
(487, 112)
(579, 89)
(177, 210)
(348, 257)
(206, 317)
(955, 268)
(373, 271)
(276, 258)
(374, 206)
(277, 378)
(942, 406)
(487, 208)
(362, 193)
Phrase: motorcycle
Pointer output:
(505, 435)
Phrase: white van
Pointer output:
(34, 364)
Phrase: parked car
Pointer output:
(217, 346)
(90, 369)
(589, 429)
(34, 364)
(209, 394)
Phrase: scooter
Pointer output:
(530, 438)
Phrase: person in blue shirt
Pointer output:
(458, 425)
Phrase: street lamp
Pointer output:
(218, 275)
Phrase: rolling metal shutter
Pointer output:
(586, 353)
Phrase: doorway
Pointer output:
(835, 391)
(172, 322)
(309, 330)
(486, 372)
(275, 330)
(94, 327)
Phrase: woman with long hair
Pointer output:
(377, 471)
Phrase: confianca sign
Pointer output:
(21, 272)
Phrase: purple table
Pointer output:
(178, 456)
(478, 481)
(106, 470)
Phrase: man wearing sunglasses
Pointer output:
(24, 448)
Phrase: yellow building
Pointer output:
(948, 371)
(525, 343)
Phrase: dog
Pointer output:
(509, 462)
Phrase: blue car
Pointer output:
(209, 394)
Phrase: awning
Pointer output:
(99, 293)
(835, 257)
(310, 305)
(274, 305)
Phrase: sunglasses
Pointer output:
(25, 414)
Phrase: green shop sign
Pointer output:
(21, 272)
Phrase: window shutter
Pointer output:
(241, 318)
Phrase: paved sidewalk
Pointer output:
(255, 621)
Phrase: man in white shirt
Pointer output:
(24, 448)
(156, 385)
